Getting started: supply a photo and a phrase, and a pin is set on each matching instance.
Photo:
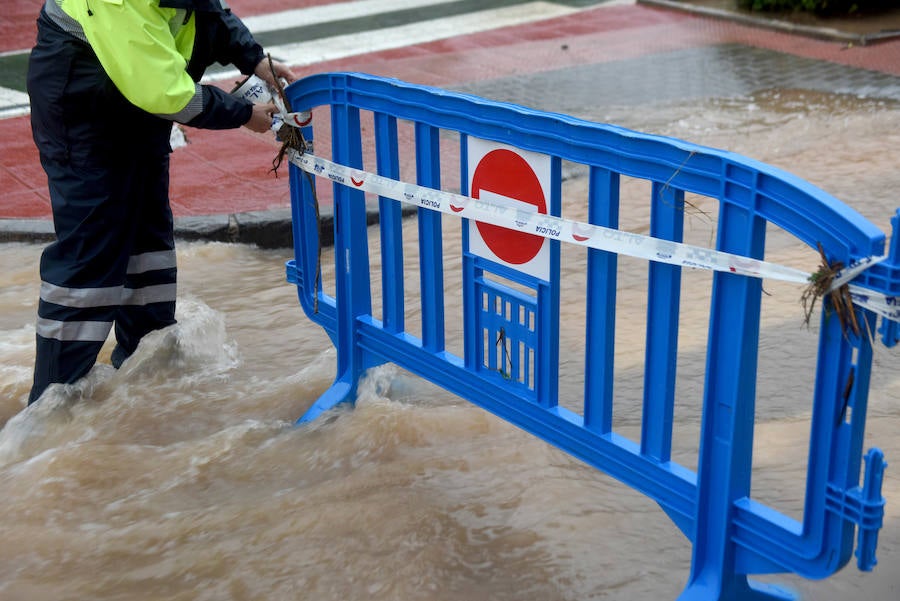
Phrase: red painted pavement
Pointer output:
(228, 171)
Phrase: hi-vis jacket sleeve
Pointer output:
(139, 52)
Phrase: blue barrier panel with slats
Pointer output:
(510, 363)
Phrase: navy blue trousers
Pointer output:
(113, 263)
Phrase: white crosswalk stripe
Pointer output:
(355, 44)
(15, 103)
(329, 13)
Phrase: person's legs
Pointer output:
(107, 170)
(82, 273)
(150, 280)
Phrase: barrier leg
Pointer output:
(735, 588)
(342, 390)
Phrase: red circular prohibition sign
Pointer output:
(506, 173)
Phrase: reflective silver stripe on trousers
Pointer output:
(74, 331)
(112, 296)
(81, 298)
(160, 293)
(152, 261)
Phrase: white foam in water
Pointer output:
(193, 349)
(197, 342)
(44, 425)
(16, 375)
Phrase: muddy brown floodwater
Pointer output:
(182, 476)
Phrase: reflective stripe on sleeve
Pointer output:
(193, 108)
(65, 22)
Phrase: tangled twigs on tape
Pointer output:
(820, 284)
(290, 136)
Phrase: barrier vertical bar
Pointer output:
(471, 347)
(547, 352)
(726, 444)
(842, 383)
(428, 173)
(353, 296)
(854, 407)
(663, 300)
(600, 337)
(890, 330)
(308, 239)
(388, 165)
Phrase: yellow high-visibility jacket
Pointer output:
(143, 47)
(107, 77)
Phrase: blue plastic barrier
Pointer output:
(733, 535)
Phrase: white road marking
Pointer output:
(316, 15)
(14, 103)
(364, 42)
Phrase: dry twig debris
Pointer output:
(820, 286)
(290, 136)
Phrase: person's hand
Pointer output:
(261, 117)
(282, 71)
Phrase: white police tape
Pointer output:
(585, 234)
(256, 90)
(301, 119)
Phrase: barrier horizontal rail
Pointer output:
(593, 236)
(511, 316)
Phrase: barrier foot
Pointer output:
(342, 391)
(737, 589)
